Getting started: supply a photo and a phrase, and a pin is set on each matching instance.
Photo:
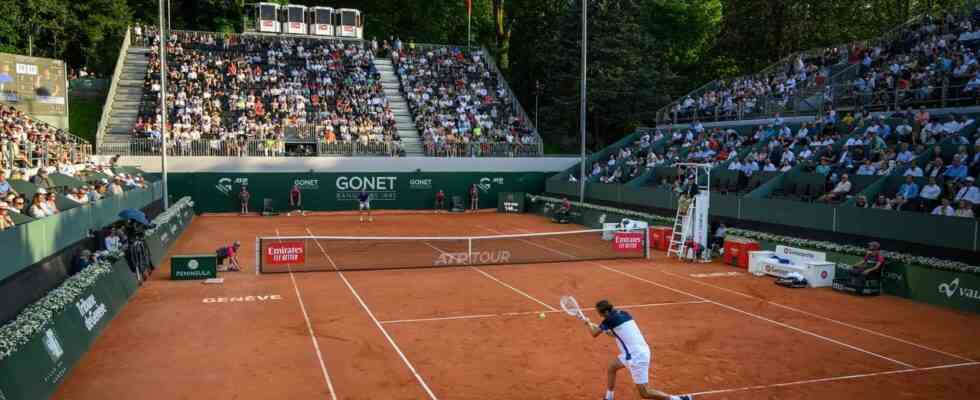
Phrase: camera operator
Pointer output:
(137, 253)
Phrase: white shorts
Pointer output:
(639, 366)
(365, 205)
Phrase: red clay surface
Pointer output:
(475, 333)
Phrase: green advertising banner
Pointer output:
(218, 192)
(163, 237)
(37, 368)
(200, 266)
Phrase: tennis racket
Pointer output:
(570, 306)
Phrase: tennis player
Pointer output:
(634, 353)
(364, 206)
(440, 200)
(296, 201)
(474, 198)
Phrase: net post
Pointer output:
(469, 250)
(646, 234)
(258, 253)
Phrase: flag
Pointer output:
(469, 8)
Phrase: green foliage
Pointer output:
(84, 115)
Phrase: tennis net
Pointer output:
(350, 253)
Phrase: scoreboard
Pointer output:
(510, 202)
(34, 85)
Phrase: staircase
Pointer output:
(129, 93)
(411, 141)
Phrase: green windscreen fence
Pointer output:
(31, 242)
(218, 192)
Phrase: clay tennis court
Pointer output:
(475, 333)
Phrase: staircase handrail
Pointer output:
(113, 87)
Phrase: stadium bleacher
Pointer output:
(461, 106)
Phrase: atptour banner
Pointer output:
(628, 242)
(283, 253)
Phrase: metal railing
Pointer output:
(110, 97)
(251, 148)
(483, 150)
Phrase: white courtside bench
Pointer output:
(813, 265)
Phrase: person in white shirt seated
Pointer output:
(735, 165)
(868, 168)
(770, 167)
(842, 189)
(964, 210)
(914, 170)
(749, 167)
(854, 141)
(113, 242)
(944, 209)
(905, 155)
(968, 192)
(930, 193)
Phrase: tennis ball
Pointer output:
(541, 315)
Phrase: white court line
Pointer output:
(842, 323)
(309, 327)
(520, 313)
(493, 278)
(784, 325)
(373, 318)
(866, 330)
(836, 378)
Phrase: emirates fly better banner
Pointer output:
(283, 253)
(628, 241)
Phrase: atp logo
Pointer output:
(225, 184)
(949, 288)
(487, 183)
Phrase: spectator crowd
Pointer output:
(458, 99)
(228, 91)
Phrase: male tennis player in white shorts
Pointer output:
(634, 353)
(364, 205)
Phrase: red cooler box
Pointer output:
(737, 251)
(660, 237)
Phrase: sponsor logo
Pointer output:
(474, 258)
(809, 255)
(487, 183)
(285, 253)
(823, 274)
(53, 345)
(420, 184)
(512, 207)
(949, 288)
(192, 264)
(776, 271)
(242, 299)
(379, 187)
(628, 241)
(192, 274)
(895, 276)
(307, 184)
(225, 184)
(954, 288)
(602, 219)
(91, 311)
